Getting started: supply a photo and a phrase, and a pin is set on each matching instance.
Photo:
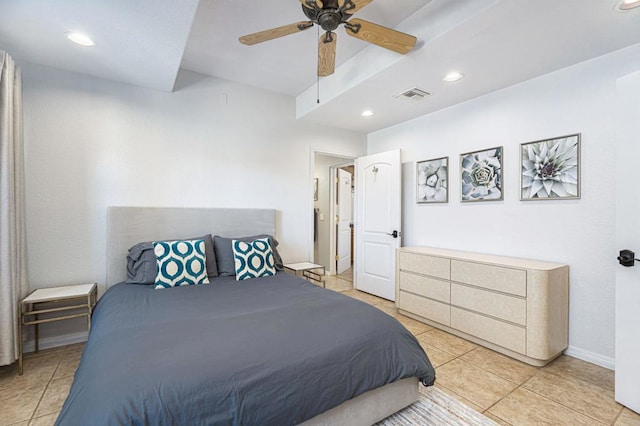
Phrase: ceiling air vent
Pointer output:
(414, 95)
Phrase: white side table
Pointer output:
(77, 301)
(311, 271)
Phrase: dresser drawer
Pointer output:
(506, 280)
(425, 286)
(426, 308)
(428, 265)
(508, 308)
(495, 331)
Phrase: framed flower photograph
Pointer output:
(481, 175)
(433, 180)
(550, 169)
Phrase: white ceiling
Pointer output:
(138, 42)
(495, 43)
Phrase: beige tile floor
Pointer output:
(36, 397)
(566, 392)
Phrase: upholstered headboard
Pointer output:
(127, 226)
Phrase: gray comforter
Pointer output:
(268, 351)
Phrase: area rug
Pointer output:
(437, 408)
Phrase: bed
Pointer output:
(271, 351)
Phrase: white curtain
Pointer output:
(13, 268)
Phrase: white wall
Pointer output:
(92, 143)
(580, 233)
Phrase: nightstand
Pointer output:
(72, 301)
(310, 271)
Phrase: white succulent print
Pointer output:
(550, 168)
(482, 175)
(432, 180)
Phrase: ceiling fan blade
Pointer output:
(255, 38)
(380, 36)
(327, 54)
(359, 4)
(308, 6)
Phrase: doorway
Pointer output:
(343, 219)
(329, 236)
(377, 211)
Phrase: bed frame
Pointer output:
(127, 226)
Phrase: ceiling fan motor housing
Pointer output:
(329, 17)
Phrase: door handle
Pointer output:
(395, 234)
(627, 258)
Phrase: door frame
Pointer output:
(332, 214)
(349, 157)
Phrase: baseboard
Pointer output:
(55, 341)
(592, 357)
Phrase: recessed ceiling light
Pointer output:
(628, 4)
(80, 39)
(367, 113)
(454, 76)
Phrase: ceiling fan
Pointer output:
(329, 14)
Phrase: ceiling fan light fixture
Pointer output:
(625, 5)
(367, 113)
(453, 76)
(329, 20)
(81, 39)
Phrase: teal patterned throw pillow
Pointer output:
(253, 259)
(180, 263)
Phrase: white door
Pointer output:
(378, 217)
(628, 237)
(344, 219)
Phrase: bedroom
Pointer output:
(93, 142)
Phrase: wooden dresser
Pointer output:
(518, 307)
